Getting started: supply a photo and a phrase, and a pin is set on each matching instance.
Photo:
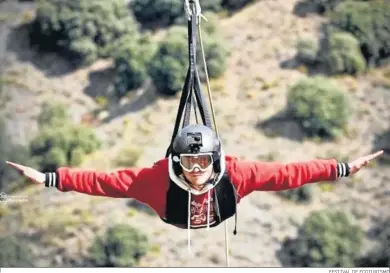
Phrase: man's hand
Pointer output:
(357, 164)
(34, 175)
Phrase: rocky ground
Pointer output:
(248, 100)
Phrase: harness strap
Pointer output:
(192, 81)
(192, 86)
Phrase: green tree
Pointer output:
(344, 54)
(52, 114)
(216, 53)
(81, 30)
(368, 21)
(121, 246)
(166, 12)
(131, 62)
(60, 142)
(169, 66)
(319, 106)
(307, 50)
(216, 49)
(159, 12)
(326, 239)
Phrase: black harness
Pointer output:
(225, 195)
(191, 89)
(225, 204)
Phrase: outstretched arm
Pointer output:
(264, 176)
(269, 176)
(121, 183)
(110, 184)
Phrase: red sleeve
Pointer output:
(263, 176)
(146, 185)
(111, 184)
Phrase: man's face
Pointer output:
(197, 168)
(198, 177)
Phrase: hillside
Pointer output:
(250, 99)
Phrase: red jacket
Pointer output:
(149, 185)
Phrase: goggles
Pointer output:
(190, 161)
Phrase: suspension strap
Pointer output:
(192, 85)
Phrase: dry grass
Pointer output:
(128, 156)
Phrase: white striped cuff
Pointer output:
(342, 170)
(51, 179)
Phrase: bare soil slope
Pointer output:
(252, 91)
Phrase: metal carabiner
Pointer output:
(188, 9)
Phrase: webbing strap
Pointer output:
(192, 82)
(191, 86)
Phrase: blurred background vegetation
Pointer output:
(146, 43)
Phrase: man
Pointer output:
(197, 186)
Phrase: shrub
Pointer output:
(322, 6)
(380, 256)
(344, 54)
(131, 59)
(81, 30)
(59, 142)
(166, 12)
(325, 6)
(121, 246)
(325, 239)
(368, 21)
(235, 4)
(307, 50)
(216, 54)
(15, 253)
(160, 12)
(302, 194)
(211, 25)
(215, 47)
(52, 114)
(169, 66)
(319, 106)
